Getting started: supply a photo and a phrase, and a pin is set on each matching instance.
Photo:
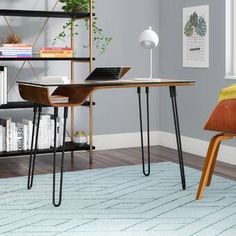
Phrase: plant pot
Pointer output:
(78, 9)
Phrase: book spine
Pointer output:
(5, 86)
(30, 131)
(56, 49)
(17, 45)
(61, 124)
(1, 139)
(25, 136)
(4, 139)
(7, 133)
(51, 132)
(20, 133)
(2, 87)
(56, 54)
(11, 136)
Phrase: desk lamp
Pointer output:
(149, 40)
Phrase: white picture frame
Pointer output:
(196, 36)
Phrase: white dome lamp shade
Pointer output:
(149, 40)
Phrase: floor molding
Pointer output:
(190, 145)
(124, 140)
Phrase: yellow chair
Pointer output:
(222, 119)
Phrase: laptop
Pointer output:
(108, 73)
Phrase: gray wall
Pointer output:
(116, 110)
(196, 103)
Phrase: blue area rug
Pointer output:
(119, 201)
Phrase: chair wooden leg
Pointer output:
(209, 164)
(225, 137)
(206, 168)
(213, 165)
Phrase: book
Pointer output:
(60, 134)
(22, 136)
(1, 138)
(59, 99)
(52, 128)
(56, 49)
(16, 45)
(1, 86)
(5, 92)
(55, 79)
(5, 122)
(56, 52)
(12, 131)
(19, 137)
(29, 125)
(15, 51)
(44, 127)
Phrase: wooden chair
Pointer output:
(222, 119)
(41, 96)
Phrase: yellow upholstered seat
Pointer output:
(227, 93)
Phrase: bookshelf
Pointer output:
(70, 146)
(75, 59)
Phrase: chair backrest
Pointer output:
(223, 117)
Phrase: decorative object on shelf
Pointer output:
(196, 36)
(11, 38)
(80, 137)
(149, 40)
(100, 41)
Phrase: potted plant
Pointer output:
(100, 40)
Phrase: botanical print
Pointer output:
(196, 36)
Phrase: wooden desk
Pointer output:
(77, 92)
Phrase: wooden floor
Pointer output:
(18, 166)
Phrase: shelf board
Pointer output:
(48, 14)
(70, 146)
(21, 105)
(78, 59)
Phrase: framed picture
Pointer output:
(196, 36)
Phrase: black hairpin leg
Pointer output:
(178, 136)
(146, 173)
(32, 157)
(62, 156)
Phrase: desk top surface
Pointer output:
(113, 83)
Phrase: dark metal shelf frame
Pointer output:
(23, 105)
(47, 14)
(70, 146)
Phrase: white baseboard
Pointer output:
(123, 140)
(191, 145)
(198, 147)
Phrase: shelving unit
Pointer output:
(75, 59)
(70, 146)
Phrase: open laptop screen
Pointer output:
(108, 73)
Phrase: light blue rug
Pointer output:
(119, 201)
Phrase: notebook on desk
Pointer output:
(108, 73)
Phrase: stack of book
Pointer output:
(16, 50)
(18, 136)
(3, 85)
(56, 52)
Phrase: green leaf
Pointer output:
(188, 29)
(201, 27)
(194, 19)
